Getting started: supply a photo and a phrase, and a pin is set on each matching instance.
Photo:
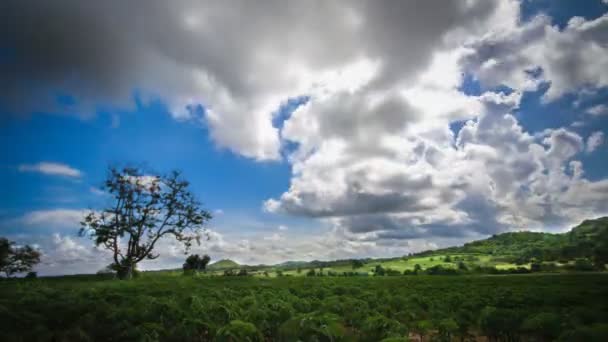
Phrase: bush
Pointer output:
(239, 331)
(583, 265)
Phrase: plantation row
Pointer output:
(569, 307)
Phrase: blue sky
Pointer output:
(375, 136)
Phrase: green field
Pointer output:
(160, 307)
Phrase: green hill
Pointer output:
(587, 240)
(223, 264)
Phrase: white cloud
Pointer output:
(595, 140)
(598, 110)
(283, 227)
(54, 218)
(97, 191)
(50, 168)
(569, 59)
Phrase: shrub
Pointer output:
(239, 331)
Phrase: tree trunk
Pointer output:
(125, 272)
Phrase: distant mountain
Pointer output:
(223, 265)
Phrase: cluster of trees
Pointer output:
(239, 273)
(196, 263)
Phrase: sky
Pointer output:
(310, 129)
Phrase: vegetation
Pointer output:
(14, 259)
(589, 240)
(166, 307)
(195, 263)
(145, 209)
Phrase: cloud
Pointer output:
(491, 176)
(568, 59)
(598, 110)
(50, 168)
(595, 140)
(96, 191)
(53, 218)
(404, 174)
(266, 53)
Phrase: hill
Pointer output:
(223, 264)
(587, 240)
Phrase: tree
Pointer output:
(357, 264)
(462, 266)
(14, 259)
(379, 270)
(196, 263)
(145, 209)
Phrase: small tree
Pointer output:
(15, 259)
(357, 264)
(145, 209)
(196, 263)
(462, 266)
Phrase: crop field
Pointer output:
(161, 307)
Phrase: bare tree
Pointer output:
(145, 209)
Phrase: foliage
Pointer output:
(196, 263)
(145, 209)
(14, 259)
(587, 240)
(239, 331)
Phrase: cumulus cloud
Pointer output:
(50, 168)
(569, 59)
